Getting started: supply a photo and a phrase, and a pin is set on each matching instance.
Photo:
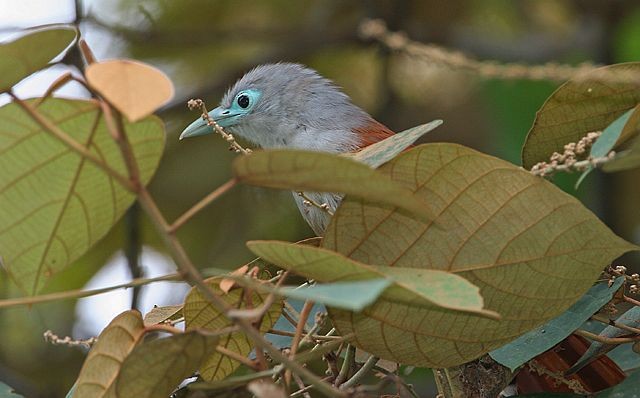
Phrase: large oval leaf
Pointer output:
(200, 313)
(324, 172)
(155, 369)
(134, 88)
(103, 362)
(30, 53)
(54, 205)
(530, 248)
(588, 103)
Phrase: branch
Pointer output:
(180, 221)
(397, 41)
(79, 293)
(191, 273)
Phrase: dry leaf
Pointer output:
(134, 88)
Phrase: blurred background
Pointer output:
(205, 45)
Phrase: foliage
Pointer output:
(460, 253)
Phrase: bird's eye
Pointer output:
(243, 101)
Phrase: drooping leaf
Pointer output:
(417, 288)
(324, 172)
(199, 313)
(134, 88)
(381, 152)
(156, 368)
(55, 204)
(587, 103)
(103, 363)
(353, 296)
(531, 249)
(605, 143)
(542, 338)
(32, 52)
(164, 313)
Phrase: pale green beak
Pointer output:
(224, 117)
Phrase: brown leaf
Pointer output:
(582, 105)
(227, 284)
(532, 249)
(134, 88)
(103, 362)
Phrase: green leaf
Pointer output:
(161, 314)
(156, 368)
(32, 52)
(105, 358)
(381, 152)
(56, 204)
(629, 159)
(200, 313)
(542, 338)
(605, 143)
(7, 392)
(324, 172)
(532, 250)
(353, 296)
(590, 102)
(417, 288)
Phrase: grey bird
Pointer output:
(287, 105)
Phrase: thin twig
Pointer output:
(222, 189)
(235, 356)
(317, 337)
(577, 166)
(200, 105)
(606, 340)
(300, 327)
(79, 293)
(310, 202)
(54, 339)
(160, 327)
(191, 273)
(613, 323)
(397, 41)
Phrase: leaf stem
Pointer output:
(349, 359)
(359, 375)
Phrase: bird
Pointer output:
(289, 105)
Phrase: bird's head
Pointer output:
(288, 105)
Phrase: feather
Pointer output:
(371, 133)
